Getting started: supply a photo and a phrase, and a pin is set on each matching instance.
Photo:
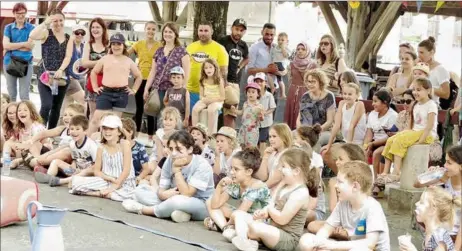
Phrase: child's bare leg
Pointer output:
(314, 226)
(265, 233)
(310, 217)
(212, 114)
(398, 162)
(282, 89)
(63, 154)
(270, 79)
(387, 166)
(241, 222)
(155, 178)
(198, 107)
(219, 215)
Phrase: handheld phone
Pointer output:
(394, 128)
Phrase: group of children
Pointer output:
(194, 174)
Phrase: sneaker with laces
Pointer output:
(180, 216)
(132, 206)
(245, 244)
(229, 234)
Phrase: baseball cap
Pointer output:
(177, 70)
(253, 85)
(117, 38)
(261, 76)
(423, 67)
(240, 22)
(227, 132)
(78, 27)
(112, 121)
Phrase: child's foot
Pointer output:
(229, 232)
(245, 244)
(180, 216)
(283, 97)
(132, 206)
(40, 169)
(15, 163)
(42, 178)
(54, 181)
(210, 225)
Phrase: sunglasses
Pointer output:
(80, 33)
(405, 101)
(324, 44)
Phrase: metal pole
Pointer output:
(269, 13)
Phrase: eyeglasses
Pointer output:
(324, 44)
(20, 13)
(405, 101)
(79, 33)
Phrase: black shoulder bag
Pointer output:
(18, 66)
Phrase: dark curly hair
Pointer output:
(250, 158)
(310, 134)
(183, 137)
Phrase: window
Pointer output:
(457, 40)
(406, 20)
(433, 26)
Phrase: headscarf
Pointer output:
(303, 63)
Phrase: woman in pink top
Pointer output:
(116, 68)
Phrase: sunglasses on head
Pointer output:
(79, 32)
(405, 101)
(324, 43)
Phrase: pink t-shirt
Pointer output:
(36, 127)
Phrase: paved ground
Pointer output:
(83, 232)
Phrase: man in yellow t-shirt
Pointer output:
(201, 50)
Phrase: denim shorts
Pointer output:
(112, 99)
(263, 135)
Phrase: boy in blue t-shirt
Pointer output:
(140, 157)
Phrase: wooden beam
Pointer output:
(42, 8)
(385, 33)
(375, 16)
(52, 6)
(155, 11)
(61, 5)
(332, 22)
(183, 17)
(169, 11)
(342, 8)
(357, 19)
(384, 20)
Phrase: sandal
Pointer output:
(378, 191)
(27, 157)
(210, 225)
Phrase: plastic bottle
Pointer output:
(431, 175)
(54, 88)
(6, 164)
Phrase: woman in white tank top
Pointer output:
(347, 119)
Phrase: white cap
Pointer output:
(261, 76)
(78, 27)
(112, 121)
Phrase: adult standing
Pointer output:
(330, 62)
(18, 44)
(75, 92)
(238, 53)
(93, 51)
(201, 50)
(56, 55)
(145, 50)
(298, 67)
(169, 55)
(317, 105)
(439, 76)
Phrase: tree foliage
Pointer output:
(214, 12)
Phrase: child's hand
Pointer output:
(171, 192)
(407, 247)
(261, 214)
(233, 109)
(268, 151)
(226, 181)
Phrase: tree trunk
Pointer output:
(214, 12)
(356, 31)
(169, 11)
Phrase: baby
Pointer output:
(280, 56)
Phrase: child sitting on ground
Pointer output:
(177, 96)
(139, 156)
(436, 209)
(226, 148)
(62, 152)
(9, 129)
(83, 152)
(287, 213)
(114, 174)
(358, 219)
(252, 193)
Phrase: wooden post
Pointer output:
(61, 5)
(385, 33)
(42, 9)
(155, 11)
(356, 32)
(332, 22)
(169, 11)
(52, 6)
(384, 20)
(375, 16)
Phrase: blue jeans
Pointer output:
(13, 82)
(51, 104)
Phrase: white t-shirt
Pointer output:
(420, 114)
(267, 100)
(85, 154)
(370, 218)
(377, 124)
(438, 76)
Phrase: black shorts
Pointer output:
(263, 135)
(112, 99)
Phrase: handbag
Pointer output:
(152, 106)
(47, 77)
(18, 66)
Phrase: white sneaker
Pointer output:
(229, 234)
(132, 206)
(180, 216)
(245, 244)
(149, 144)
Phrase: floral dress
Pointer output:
(260, 197)
(249, 131)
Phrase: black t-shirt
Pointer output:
(237, 52)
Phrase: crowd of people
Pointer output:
(274, 170)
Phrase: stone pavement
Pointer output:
(82, 232)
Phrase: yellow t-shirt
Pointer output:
(198, 53)
(145, 56)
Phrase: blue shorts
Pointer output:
(112, 99)
(193, 98)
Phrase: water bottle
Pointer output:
(6, 164)
(431, 175)
(54, 88)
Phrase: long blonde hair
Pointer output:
(444, 202)
(283, 131)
